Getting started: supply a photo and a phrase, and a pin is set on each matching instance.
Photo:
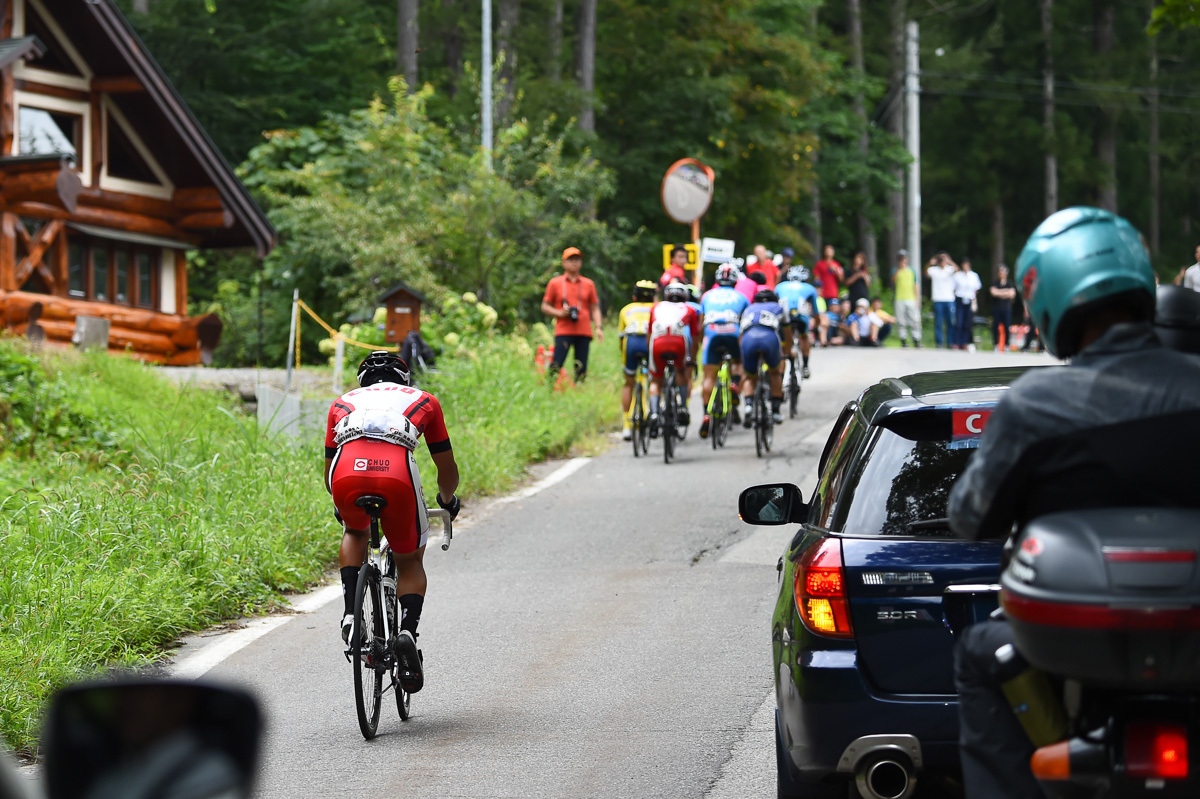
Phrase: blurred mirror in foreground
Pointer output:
(151, 739)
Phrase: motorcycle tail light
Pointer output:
(1156, 750)
(820, 590)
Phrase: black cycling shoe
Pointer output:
(684, 418)
(409, 663)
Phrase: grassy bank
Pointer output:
(132, 511)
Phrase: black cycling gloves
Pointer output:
(454, 506)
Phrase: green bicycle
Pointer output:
(720, 404)
(639, 410)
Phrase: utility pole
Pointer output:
(912, 109)
(485, 102)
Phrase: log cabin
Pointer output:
(106, 181)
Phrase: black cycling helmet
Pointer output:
(645, 291)
(675, 292)
(1177, 318)
(383, 367)
(765, 295)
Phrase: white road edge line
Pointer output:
(207, 657)
(557, 476)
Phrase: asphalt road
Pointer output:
(606, 636)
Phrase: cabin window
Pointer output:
(76, 270)
(122, 267)
(56, 58)
(124, 160)
(147, 265)
(100, 272)
(47, 132)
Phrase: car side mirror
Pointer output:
(139, 739)
(776, 503)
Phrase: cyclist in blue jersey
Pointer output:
(761, 325)
(800, 298)
(721, 312)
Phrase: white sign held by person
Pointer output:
(716, 251)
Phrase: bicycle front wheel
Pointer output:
(367, 649)
(667, 424)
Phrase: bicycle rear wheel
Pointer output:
(367, 655)
(717, 413)
(721, 427)
(768, 419)
(793, 389)
(637, 420)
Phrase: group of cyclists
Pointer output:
(749, 314)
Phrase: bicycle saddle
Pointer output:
(371, 503)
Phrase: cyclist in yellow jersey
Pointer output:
(633, 324)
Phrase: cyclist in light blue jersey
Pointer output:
(800, 298)
(761, 325)
(721, 312)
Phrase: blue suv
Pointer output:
(873, 589)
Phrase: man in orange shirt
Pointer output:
(766, 265)
(572, 301)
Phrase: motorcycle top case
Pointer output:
(1109, 597)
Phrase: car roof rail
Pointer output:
(897, 385)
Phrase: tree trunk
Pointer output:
(453, 43)
(556, 28)
(866, 233)
(510, 14)
(997, 236)
(1048, 143)
(895, 235)
(1106, 128)
(585, 62)
(1155, 177)
(407, 34)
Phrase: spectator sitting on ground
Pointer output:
(885, 318)
(834, 332)
(866, 328)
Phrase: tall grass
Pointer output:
(175, 512)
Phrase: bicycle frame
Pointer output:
(724, 379)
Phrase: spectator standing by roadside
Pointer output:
(1003, 294)
(908, 318)
(572, 301)
(941, 291)
(966, 286)
(1189, 276)
(765, 266)
(788, 255)
(858, 284)
(829, 274)
(678, 267)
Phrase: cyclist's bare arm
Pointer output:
(447, 477)
(328, 474)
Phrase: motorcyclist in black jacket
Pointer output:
(1119, 426)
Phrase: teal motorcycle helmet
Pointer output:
(1078, 262)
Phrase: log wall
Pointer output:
(149, 335)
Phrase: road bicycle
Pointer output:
(669, 412)
(764, 422)
(720, 404)
(373, 638)
(791, 381)
(639, 410)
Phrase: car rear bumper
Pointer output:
(830, 706)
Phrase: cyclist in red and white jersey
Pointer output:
(674, 335)
(369, 442)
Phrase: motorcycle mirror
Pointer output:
(772, 504)
(139, 739)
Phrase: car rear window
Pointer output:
(899, 482)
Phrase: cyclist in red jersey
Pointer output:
(674, 335)
(369, 442)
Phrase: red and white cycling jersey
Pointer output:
(419, 407)
(674, 319)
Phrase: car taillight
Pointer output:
(820, 590)
(1155, 750)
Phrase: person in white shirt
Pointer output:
(941, 273)
(1189, 276)
(966, 284)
